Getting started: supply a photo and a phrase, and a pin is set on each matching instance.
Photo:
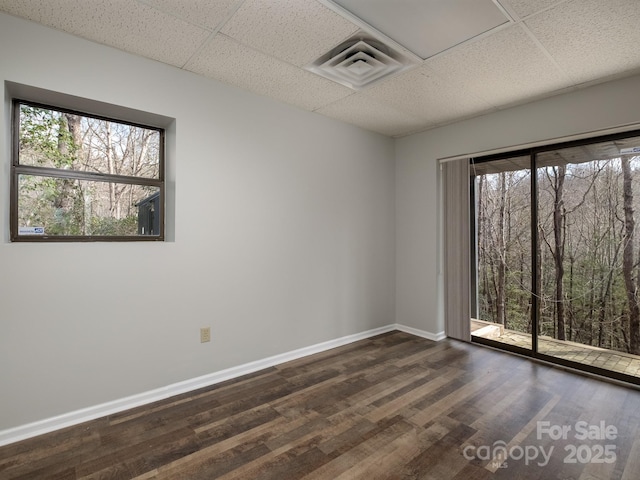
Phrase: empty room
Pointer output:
(320, 239)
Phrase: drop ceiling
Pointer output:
(466, 57)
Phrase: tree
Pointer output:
(628, 260)
(73, 142)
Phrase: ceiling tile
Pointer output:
(204, 13)
(296, 31)
(525, 8)
(371, 114)
(560, 45)
(504, 68)
(123, 24)
(425, 95)
(591, 39)
(428, 27)
(226, 60)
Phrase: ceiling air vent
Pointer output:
(359, 62)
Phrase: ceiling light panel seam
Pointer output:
(173, 14)
(257, 50)
(470, 41)
(546, 53)
(337, 101)
(213, 33)
(194, 54)
(545, 9)
(186, 19)
(507, 10)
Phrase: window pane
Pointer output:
(57, 206)
(503, 251)
(588, 203)
(54, 139)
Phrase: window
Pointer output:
(81, 177)
(557, 253)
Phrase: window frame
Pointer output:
(533, 153)
(18, 169)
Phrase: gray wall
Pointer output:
(418, 280)
(282, 237)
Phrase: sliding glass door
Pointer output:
(556, 268)
(588, 208)
(501, 290)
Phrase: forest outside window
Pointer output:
(556, 270)
(81, 177)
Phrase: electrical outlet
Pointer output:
(205, 335)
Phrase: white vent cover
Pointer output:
(359, 62)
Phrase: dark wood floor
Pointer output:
(391, 407)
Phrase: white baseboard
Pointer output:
(47, 425)
(436, 337)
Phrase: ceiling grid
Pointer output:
(506, 53)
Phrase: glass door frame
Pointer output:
(535, 304)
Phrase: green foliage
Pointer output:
(108, 226)
(45, 139)
(55, 204)
(64, 206)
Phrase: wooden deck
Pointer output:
(393, 407)
(576, 352)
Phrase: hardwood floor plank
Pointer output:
(235, 424)
(386, 460)
(364, 448)
(387, 386)
(442, 406)
(261, 465)
(527, 431)
(392, 407)
(441, 459)
(68, 473)
(389, 462)
(166, 446)
(493, 391)
(632, 467)
(472, 472)
(505, 424)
